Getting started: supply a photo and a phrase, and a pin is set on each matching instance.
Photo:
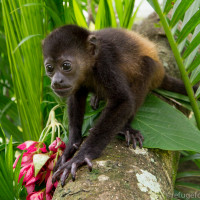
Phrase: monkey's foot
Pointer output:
(71, 166)
(68, 153)
(94, 102)
(132, 135)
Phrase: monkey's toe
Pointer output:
(71, 166)
(94, 102)
(134, 136)
(68, 153)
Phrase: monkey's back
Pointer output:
(130, 49)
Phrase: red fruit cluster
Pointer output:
(44, 176)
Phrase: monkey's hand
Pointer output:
(94, 102)
(68, 153)
(132, 135)
(71, 166)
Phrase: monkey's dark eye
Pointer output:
(49, 68)
(66, 66)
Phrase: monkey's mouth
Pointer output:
(63, 92)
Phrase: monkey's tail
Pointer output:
(175, 85)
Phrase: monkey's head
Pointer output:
(69, 53)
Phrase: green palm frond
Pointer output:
(182, 30)
(23, 40)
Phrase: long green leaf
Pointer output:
(190, 157)
(192, 46)
(179, 12)
(111, 13)
(17, 185)
(189, 27)
(197, 94)
(194, 53)
(105, 15)
(128, 14)
(195, 76)
(119, 8)
(79, 15)
(177, 55)
(26, 62)
(131, 21)
(168, 6)
(26, 39)
(2, 134)
(188, 185)
(189, 13)
(188, 174)
(194, 64)
(9, 164)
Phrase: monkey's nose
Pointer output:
(57, 84)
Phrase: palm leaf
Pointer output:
(25, 58)
(105, 16)
(188, 12)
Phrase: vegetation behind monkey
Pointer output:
(117, 65)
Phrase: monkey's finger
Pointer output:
(73, 171)
(96, 103)
(91, 129)
(134, 143)
(76, 146)
(89, 163)
(142, 138)
(56, 176)
(140, 141)
(64, 177)
(127, 137)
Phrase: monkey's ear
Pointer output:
(93, 45)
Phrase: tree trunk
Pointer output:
(124, 173)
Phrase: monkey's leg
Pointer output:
(76, 110)
(131, 134)
(140, 88)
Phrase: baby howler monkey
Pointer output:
(117, 65)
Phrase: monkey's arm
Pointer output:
(76, 110)
(112, 120)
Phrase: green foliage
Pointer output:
(105, 16)
(25, 58)
(188, 13)
(165, 127)
(185, 47)
(10, 188)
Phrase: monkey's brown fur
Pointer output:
(117, 65)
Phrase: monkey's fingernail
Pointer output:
(62, 184)
(73, 178)
(73, 171)
(90, 130)
(75, 146)
(64, 177)
(53, 179)
(89, 163)
(134, 144)
(140, 143)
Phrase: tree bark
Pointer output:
(124, 173)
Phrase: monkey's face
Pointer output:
(64, 73)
